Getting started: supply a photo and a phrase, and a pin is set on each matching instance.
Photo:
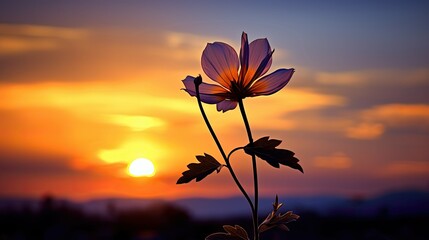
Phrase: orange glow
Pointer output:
(130, 150)
(72, 125)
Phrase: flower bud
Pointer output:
(198, 80)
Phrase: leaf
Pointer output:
(232, 233)
(199, 171)
(277, 220)
(222, 236)
(265, 142)
(236, 231)
(265, 149)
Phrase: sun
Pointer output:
(141, 167)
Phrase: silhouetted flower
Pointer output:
(220, 63)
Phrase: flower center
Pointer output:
(238, 91)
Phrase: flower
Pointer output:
(220, 62)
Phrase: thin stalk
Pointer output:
(255, 171)
(234, 150)
(228, 164)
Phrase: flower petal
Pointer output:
(226, 105)
(220, 62)
(258, 51)
(272, 82)
(209, 93)
(244, 56)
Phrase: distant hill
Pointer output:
(395, 203)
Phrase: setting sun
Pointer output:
(141, 167)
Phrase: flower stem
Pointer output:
(228, 164)
(255, 171)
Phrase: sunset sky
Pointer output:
(86, 87)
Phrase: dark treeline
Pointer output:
(55, 219)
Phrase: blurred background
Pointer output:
(95, 131)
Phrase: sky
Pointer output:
(86, 87)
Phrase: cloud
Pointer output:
(95, 54)
(373, 122)
(19, 38)
(42, 31)
(406, 168)
(399, 115)
(337, 160)
(18, 163)
(281, 106)
(14, 45)
(131, 150)
(186, 46)
(366, 130)
(401, 77)
(136, 123)
(134, 106)
(95, 97)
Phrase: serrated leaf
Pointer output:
(232, 233)
(265, 149)
(222, 236)
(199, 171)
(277, 220)
(265, 142)
(283, 227)
(236, 231)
